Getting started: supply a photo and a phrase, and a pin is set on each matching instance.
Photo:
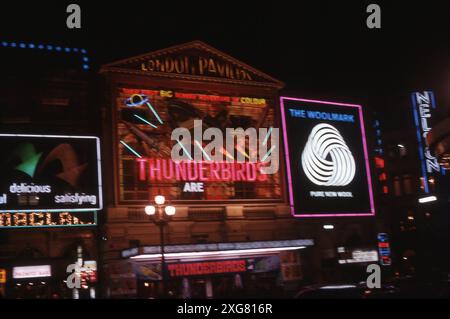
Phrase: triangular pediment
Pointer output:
(194, 60)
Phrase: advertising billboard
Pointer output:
(146, 122)
(48, 219)
(32, 272)
(326, 157)
(50, 173)
(424, 106)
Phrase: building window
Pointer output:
(402, 151)
(407, 184)
(397, 186)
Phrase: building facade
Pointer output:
(45, 90)
(232, 229)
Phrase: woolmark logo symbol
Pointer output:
(326, 159)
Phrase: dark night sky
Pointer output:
(319, 48)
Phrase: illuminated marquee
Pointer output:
(165, 169)
(326, 158)
(32, 272)
(196, 65)
(49, 219)
(146, 123)
(207, 268)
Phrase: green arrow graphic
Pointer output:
(29, 158)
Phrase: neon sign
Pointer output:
(323, 142)
(50, 173)
(32, 272)
(207, 268)
(384, 249)
(196, 146)
(47, 219)
(196, 65)
(326, 159)
(423, 106)
(155, 169)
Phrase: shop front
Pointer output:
(238, 270)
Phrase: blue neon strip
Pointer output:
(145, 121)
(203, 151)
(23, 45)
(419, 139)
(154, 112)
(433, 101)
(268, 153)
(130, 149)
(185, 150)
(267, 136)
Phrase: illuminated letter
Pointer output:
(155, 168)
(211, 66)
(226, 173)
(168, 169)
(65, 219)
(20, 219)
(142, 163)
(202, 64)
(169, 65)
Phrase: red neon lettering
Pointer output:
(185, 96)
(261, 177)
(225, 170)
(251, 172)
(142, 163)
(167, 169)
(192, 171)
(240, 172)
(181, 171)
(202, 168)
(154, 167)
(215, 167)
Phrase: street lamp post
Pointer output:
(161, 216)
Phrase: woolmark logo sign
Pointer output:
(326, 159)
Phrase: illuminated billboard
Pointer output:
(48, 219)
(326, 156)
(424, 106)
(146, 123)
(49, 173)
(32, 272)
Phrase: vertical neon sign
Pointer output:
(423, 105)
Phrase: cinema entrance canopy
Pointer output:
(235, 249)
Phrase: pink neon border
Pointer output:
(288, 161)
